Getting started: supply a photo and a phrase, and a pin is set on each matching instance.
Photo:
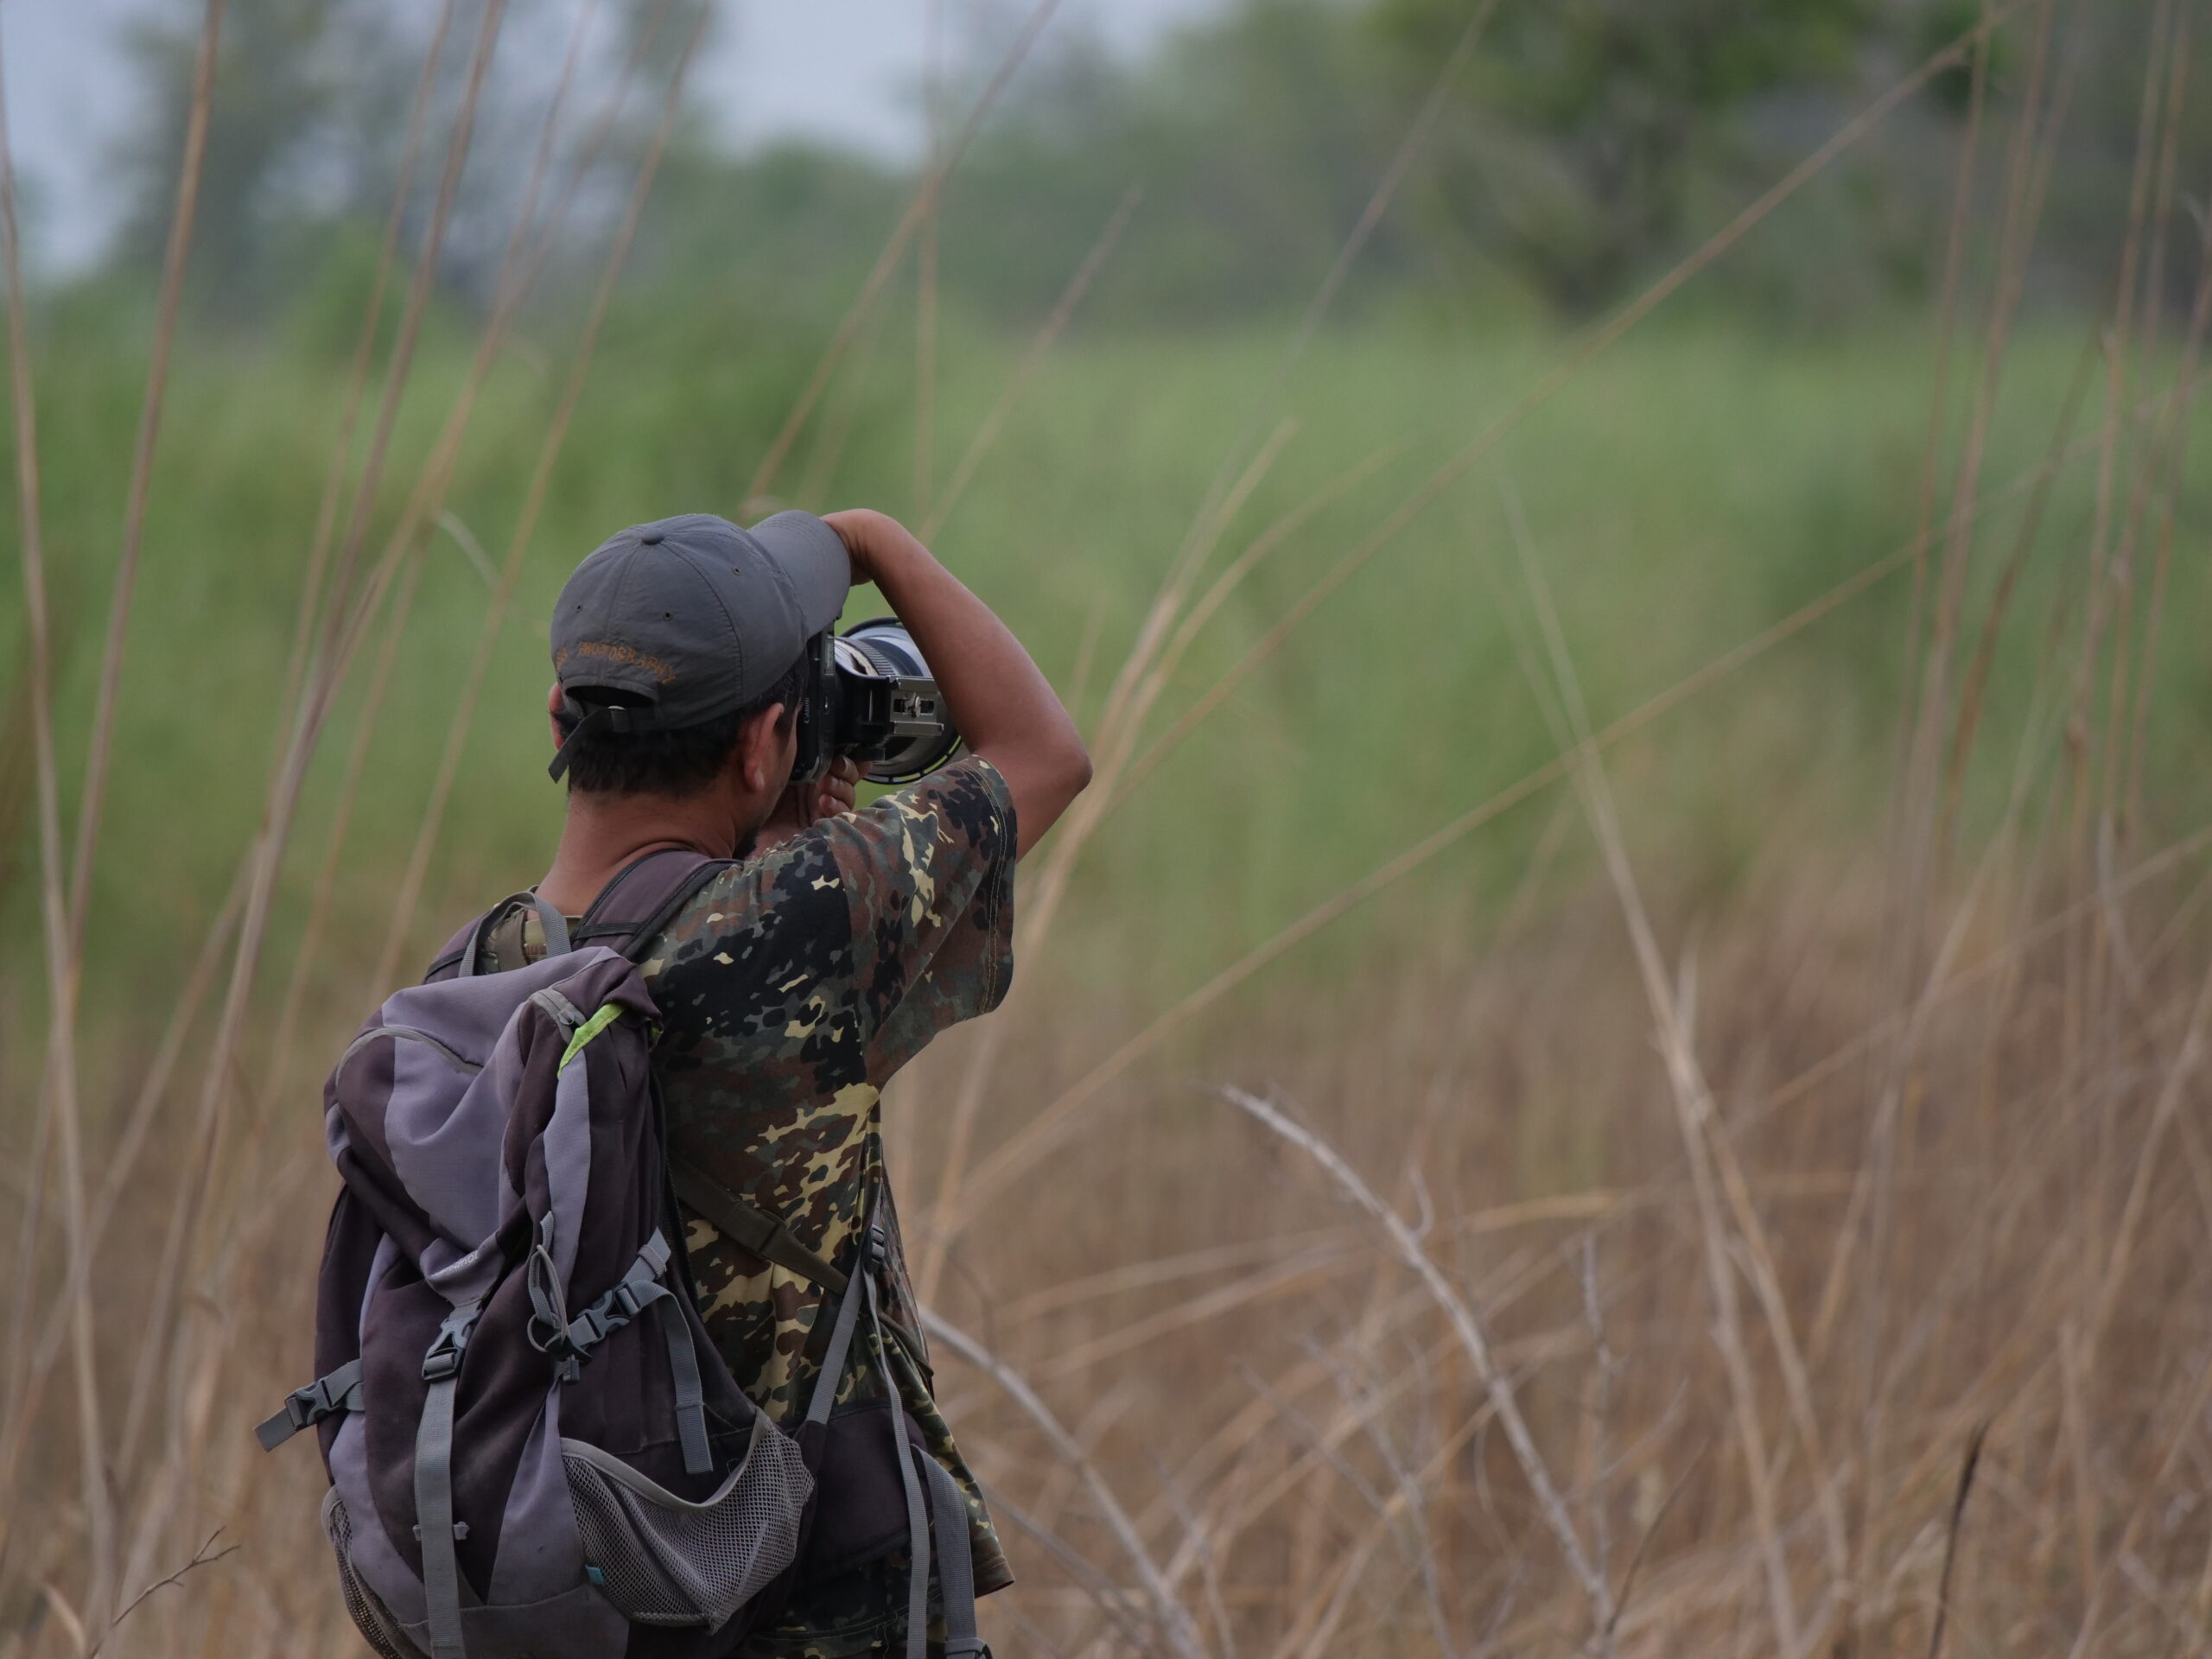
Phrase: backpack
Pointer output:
(535, 1450)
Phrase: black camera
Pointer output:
(870, 697)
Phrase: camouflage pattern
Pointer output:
(861, 1615)
(791, 989)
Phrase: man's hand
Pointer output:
(804, 805)
(864, 531)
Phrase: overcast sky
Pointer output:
(839, 69)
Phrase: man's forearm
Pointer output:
(1006, 709)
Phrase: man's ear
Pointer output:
(762, 764)
(553, 699)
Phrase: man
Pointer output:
(798, 982)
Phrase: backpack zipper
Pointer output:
(411, 1034)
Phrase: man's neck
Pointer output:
(599, 837)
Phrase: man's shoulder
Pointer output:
(791, 893)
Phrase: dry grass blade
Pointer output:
(1947, 328)
(1966, 1467)
(925, 263)
(1467, 1325)
(411, 321)
(518, 271)
(918, 213)
(2188, 1426)
(410, 889)
(987, 435)
(1134, 690)
(2187, 1062)
(357, 379)
(1698, 1114)
(2200, 319)
(266, 854)
(1108, 1596)
(35, 1360)
(1694, 1117)
(60, 1082)
(94, 792)
(1173, 1623)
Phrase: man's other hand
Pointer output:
(804, 805)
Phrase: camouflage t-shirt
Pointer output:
(790, 990)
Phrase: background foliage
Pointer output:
(1648, 875)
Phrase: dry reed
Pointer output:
(1933, 1107)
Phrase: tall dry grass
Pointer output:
(1812, 1270)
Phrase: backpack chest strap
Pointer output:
(303, 1408)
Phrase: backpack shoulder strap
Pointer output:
(465, 951)
(641, 900)
(629, 911)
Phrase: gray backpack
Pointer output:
(535, 1450)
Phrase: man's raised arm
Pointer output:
(1006, 710)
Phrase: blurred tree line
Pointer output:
(1579, 148)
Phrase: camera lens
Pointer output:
(890, 716)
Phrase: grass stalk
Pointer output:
(1465, 1324)
(401, 363)
(925, 296)
(919, 211)
(1714, 1163)
(1172, 1622)
(1064, 310)
(1119, 725)
(267, 853)
(173, 257)
(519, 270)
(410, 889)
(1694, 1113)
(357, 378)
(95, 1497)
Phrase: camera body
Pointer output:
(870, 697)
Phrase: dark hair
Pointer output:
(680, 763)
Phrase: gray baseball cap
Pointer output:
(693, 618)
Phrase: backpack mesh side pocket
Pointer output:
(371, 1617)
(661, 1560)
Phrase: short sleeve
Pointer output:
(833, 959)
(929, 873)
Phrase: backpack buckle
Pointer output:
(309, 1406)
(878, 1247)
(442, 1363)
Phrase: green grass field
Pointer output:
(1689, 489)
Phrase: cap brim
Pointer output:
(813, 556)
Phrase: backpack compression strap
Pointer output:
(435, 1526)
(956, 1566)
(764, 1235)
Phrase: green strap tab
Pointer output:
(590, 1029)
